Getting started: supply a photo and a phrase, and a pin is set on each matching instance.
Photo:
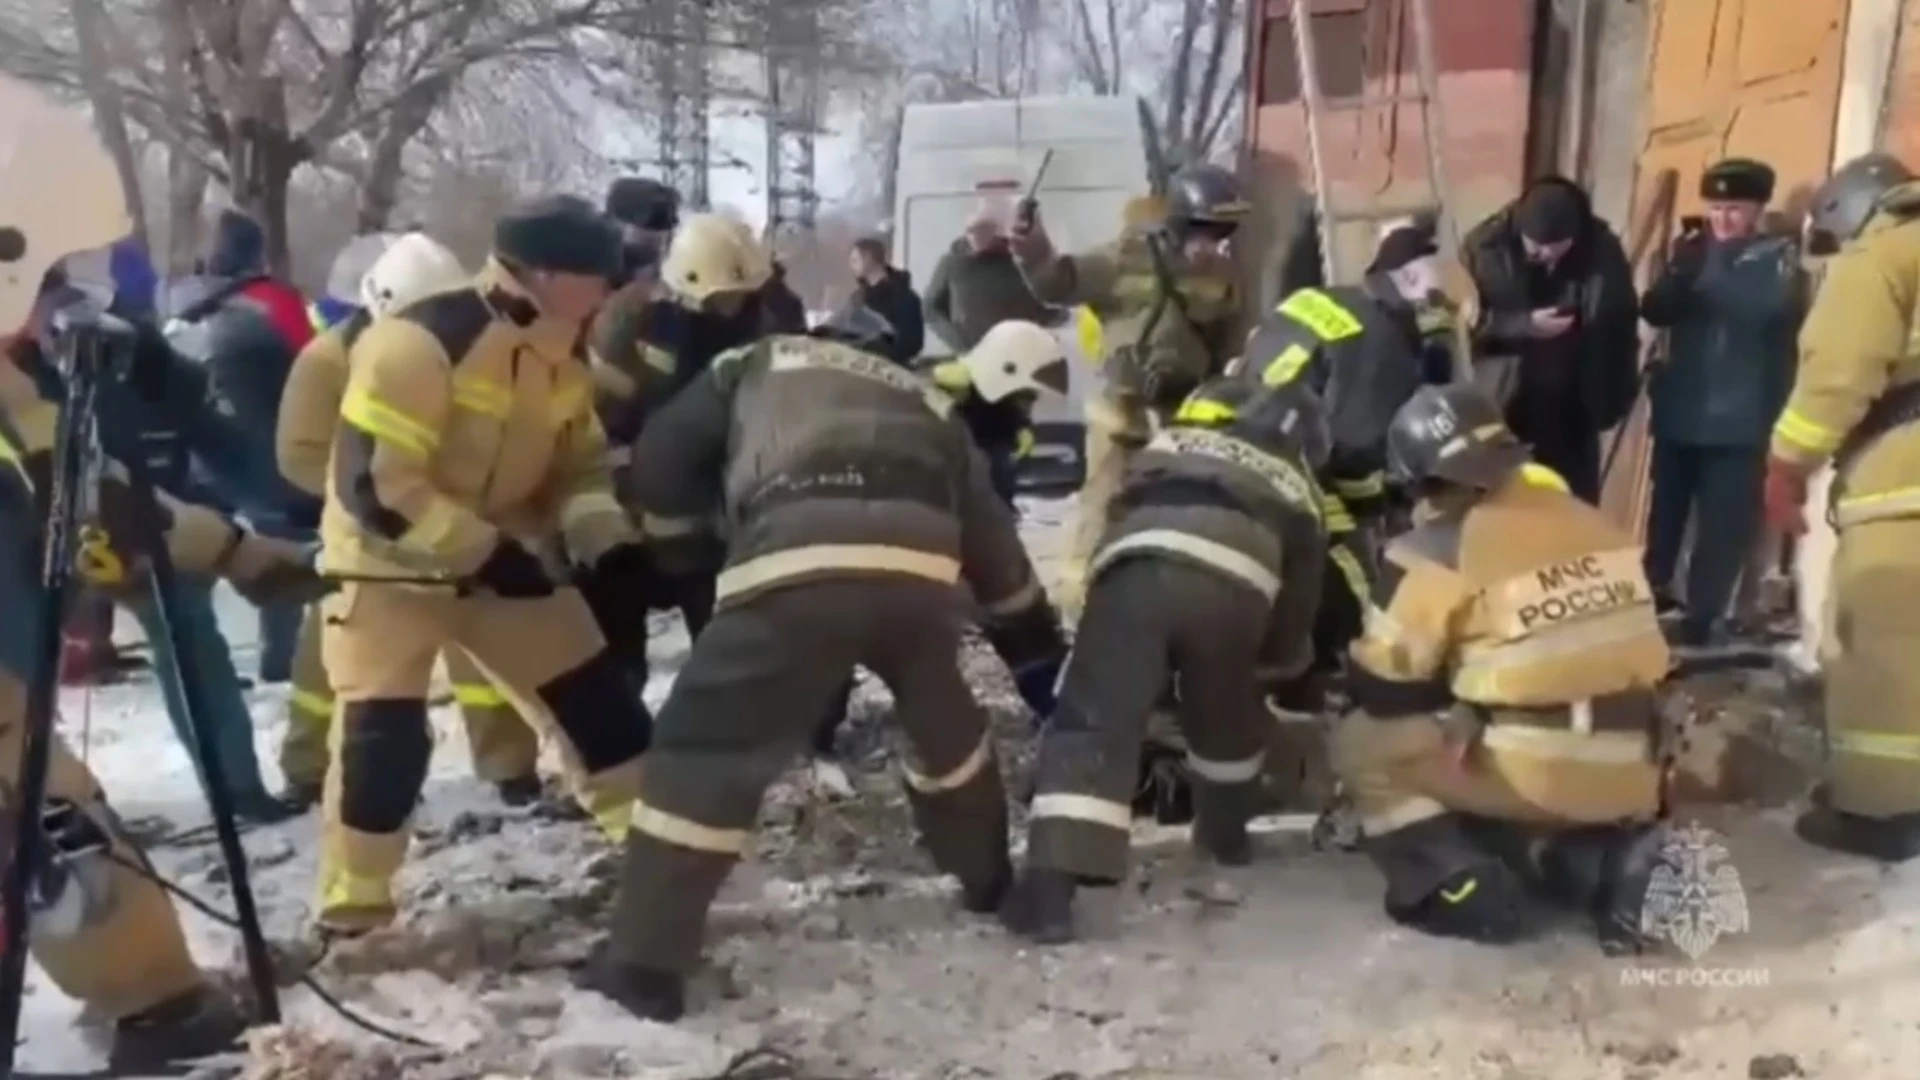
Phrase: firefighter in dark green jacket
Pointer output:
(1361, 347)
(1166, 292)
(1211, 565)
(861, 529)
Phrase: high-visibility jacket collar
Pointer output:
(513, 304)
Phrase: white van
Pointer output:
(954, 158)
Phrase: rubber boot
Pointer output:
(195, 1025)
(984, 897)
(660, 996)
(1484, 904)
(82, 663)
(1890, 839)
(518, 791)
(1039, 907)
(1632, 856)
(1220, 821)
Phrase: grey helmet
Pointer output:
(1844, 204)
(1452, 433)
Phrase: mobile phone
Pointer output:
(1693, 223)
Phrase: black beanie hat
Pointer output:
(1551, 212)
(643, 204)
(1403, 245)
(559, 232)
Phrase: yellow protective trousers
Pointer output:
(1406, 777)
(134, 956)
(546, 656)
(1872, 679)
(504, 746)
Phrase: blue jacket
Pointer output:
(1732, 320)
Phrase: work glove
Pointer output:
(1785, 496)
(621, 587)
(514, 573)
(269, 571)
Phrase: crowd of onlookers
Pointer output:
(1558, 339)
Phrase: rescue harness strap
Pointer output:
(1890, 411)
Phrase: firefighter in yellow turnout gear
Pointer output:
(467, 451)
(1504, 739)
(1856, 401)
(1165, 296)
(505, 749)
(112, 940)
(127, 957)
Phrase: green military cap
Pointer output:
(1737, 180)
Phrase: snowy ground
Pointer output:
(834, 945)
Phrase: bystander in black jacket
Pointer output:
(1564, 391)
(894, 299)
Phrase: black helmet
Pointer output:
(860, 326)
(1844, 204)
(639, 203)
(1452, 433)
(1206, 195)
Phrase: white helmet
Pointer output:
(413, 266)
(1017, 355)
(712, 254)
(350, 267)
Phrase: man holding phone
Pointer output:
(1557, 298)
(1731, 300)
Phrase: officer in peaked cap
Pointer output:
(1738, 180)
